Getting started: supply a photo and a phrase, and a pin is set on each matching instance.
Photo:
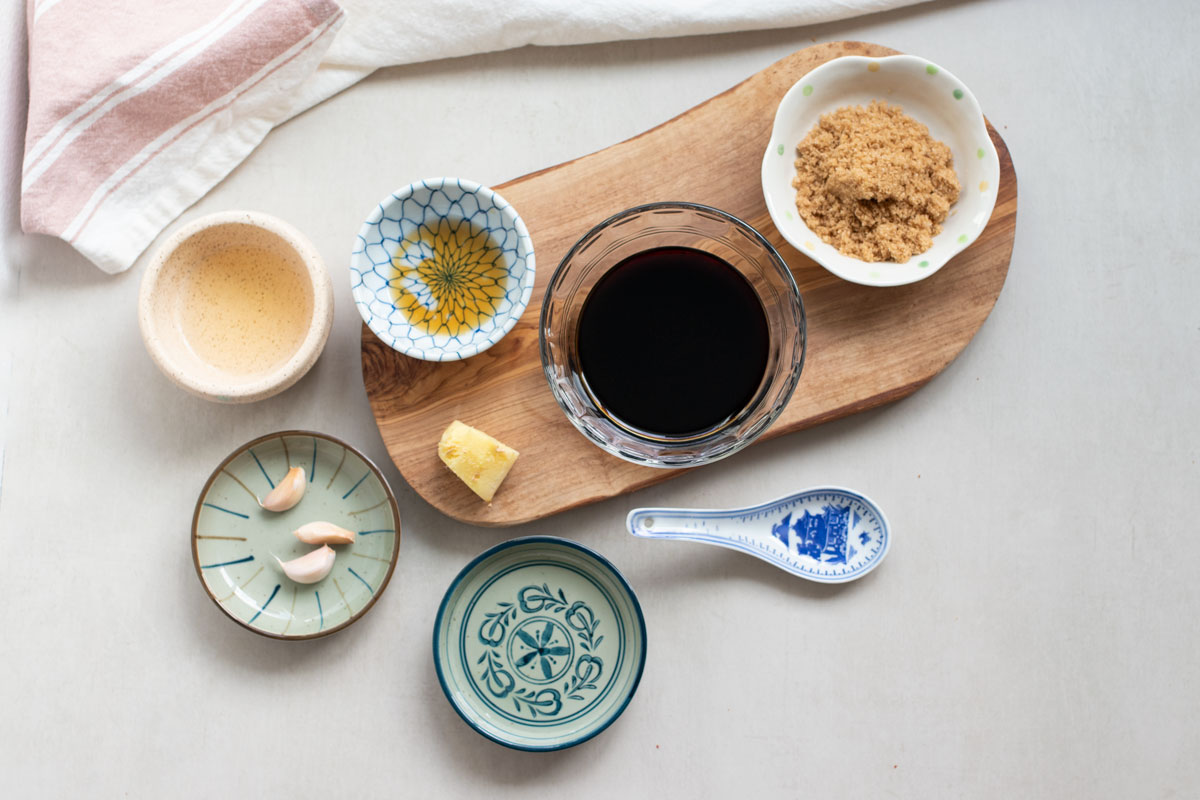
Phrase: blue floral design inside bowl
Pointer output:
(539, 643)
(442, 269)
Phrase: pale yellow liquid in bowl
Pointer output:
(245, 310)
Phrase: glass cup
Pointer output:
(671, 225)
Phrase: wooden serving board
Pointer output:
(866, 346)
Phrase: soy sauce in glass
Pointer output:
(673, 342)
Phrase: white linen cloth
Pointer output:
(137, 109)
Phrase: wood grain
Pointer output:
(866, 346)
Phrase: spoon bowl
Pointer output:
(826, 534)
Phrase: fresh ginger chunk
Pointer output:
(478, 459)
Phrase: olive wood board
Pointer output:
(867, 346)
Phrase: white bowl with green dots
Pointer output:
(235, 542)
(928, 94)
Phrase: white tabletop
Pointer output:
(1032, 633)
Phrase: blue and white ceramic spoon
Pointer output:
(826, 534)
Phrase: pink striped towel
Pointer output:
(137, 109)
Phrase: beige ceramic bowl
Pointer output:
(166, 293)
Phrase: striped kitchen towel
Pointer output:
(137, 109)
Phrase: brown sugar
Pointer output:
(873, 183)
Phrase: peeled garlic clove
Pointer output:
(287, 492)
(309, 568)
(323, 533)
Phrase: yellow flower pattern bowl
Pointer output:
(442, 269)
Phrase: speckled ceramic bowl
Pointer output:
(442, 269)
(928, 94)
(235, 542)
(166, 291)
(539, 643)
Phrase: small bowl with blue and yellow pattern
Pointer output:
(442, 269)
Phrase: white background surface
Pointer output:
(1032, 633)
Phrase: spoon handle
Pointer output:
(709, 526)
(671, 523)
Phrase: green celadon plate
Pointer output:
(235, 542)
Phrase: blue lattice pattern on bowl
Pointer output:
(442, 269)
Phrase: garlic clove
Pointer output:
(323, 533)
(309, 568)
(287, 492)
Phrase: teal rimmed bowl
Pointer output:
(539, 643)
(235, 542)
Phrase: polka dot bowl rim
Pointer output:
(379, 479)
(929, 94)
(449, 350)
(491, 562)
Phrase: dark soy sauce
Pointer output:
(673, 341)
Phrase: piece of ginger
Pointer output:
(479, 460)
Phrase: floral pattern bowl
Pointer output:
(235, 542)
(928, 94)
(442, 269)
(539, 643)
